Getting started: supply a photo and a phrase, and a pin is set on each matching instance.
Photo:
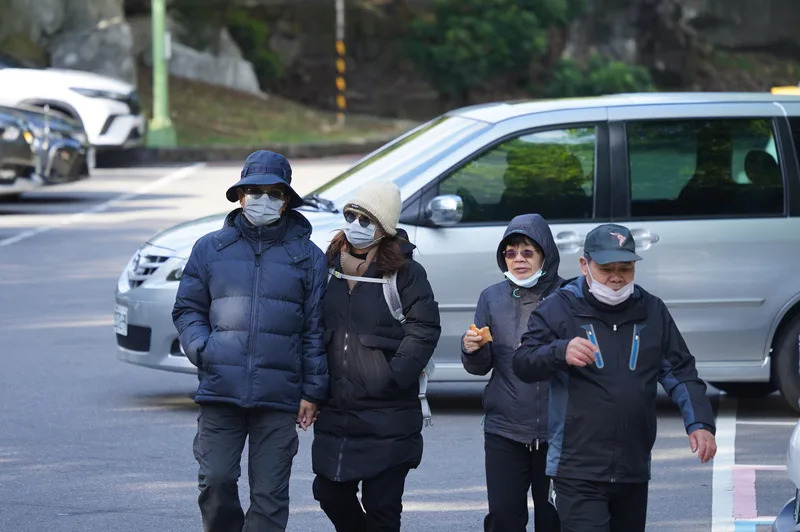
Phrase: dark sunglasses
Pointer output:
(363, 220)
(512, 253)
(275, 194)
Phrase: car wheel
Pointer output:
(745, 389)
(786, 364)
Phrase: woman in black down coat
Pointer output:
(369, 432)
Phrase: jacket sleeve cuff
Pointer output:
(696, 426)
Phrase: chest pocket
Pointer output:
(635, 343)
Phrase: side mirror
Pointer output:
(445, 211)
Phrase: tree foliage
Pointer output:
(598, 76)
(465, 43)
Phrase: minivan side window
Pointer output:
(704, 168)
(548, 172)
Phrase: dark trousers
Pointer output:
(512, 469)
(585, 506)
(221, 433)
(381, 496)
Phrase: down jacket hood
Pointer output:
(534, 227)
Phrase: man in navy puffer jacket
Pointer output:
(249, 315)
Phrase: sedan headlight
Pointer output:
(11, 133)
(94, 93)
(177, 271)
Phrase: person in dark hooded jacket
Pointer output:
(249, 316)
(515, 425)
(370, 431)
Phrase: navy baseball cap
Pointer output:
(266, 168)
(609, 243)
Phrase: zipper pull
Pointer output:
(615, 327)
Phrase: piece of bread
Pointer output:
(486, 334)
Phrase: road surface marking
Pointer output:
(722, 494)
(177, 175)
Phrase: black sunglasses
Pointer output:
(275, 194)
(512, 253)
(363, 220)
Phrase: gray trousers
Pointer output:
(221, 433)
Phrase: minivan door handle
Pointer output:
(644, 238)
(569, 241)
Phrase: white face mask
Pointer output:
(263, 210)
(606, 294)
(525, 283)
(360, 237)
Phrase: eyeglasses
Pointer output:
(363, 220)
(275, 194)
(512, 253)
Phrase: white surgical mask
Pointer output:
(606, 294)
(263, 210)
(360, 237)
(525, 283)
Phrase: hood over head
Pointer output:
(536, 228)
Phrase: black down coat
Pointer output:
(373, 420)
(515, 409)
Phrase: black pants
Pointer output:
(512, 469)
(381, 496)
(221, 433)
(585, 506)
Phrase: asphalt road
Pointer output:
(88, 443)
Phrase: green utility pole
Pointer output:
(160, 132)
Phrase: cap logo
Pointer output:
(619, 237)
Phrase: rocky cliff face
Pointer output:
(79, 34)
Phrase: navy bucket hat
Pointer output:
(266, 168)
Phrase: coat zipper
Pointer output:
(344, 373)
(253, 325)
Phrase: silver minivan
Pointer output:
(709, 184)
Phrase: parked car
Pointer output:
(17, 160)
(108, 108)
(60, 144)
(788, 520)
(709, 184)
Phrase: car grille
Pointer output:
(145, 264)
(138, 339)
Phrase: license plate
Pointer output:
(121, 320)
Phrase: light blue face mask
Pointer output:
(263, 210)
(525, 283)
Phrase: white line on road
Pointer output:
(722, 477)
(769, 423)
(177, 175)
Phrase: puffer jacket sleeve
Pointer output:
(678, 377)
(191, 311)
(541, 352)
(422, 327)
(480, 361)
(314, 361)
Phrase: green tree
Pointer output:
(598, 76)
(464, 43)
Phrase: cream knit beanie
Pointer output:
(380, 201)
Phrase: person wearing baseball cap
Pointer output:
(603, 343)
(249, 316)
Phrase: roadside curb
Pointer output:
(146, 156)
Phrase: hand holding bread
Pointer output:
(476, 338)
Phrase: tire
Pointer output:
(786, 364)
(745, 389)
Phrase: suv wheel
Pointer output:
(786, 364)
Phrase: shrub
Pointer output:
(598, 76)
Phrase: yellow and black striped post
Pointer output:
(341, 67)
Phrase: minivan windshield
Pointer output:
(403, 159)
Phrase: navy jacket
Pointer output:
(514, 409)
(603, 416)
(249, 314)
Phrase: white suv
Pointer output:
(109, 108)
